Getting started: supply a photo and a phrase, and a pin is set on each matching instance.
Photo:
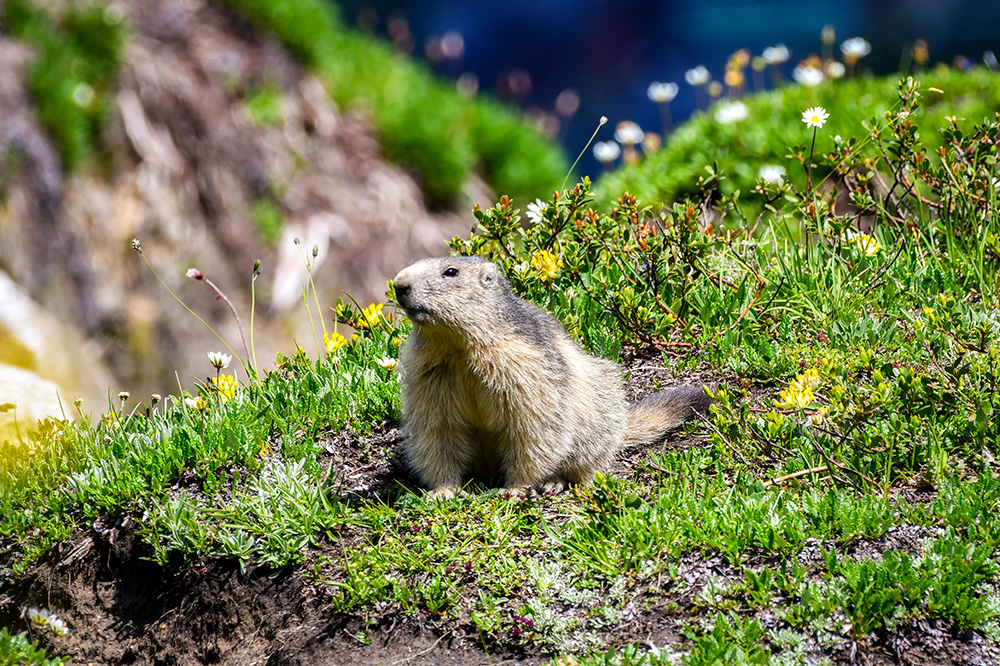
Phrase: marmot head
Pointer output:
(456, 293)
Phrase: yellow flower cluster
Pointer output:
(333, 341)
(800, 392)
(546, 265)
(225, 386)
(867, 245)
(370, 316)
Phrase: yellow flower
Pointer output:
(333, 341)
(820, 416)
(370, 316)
(195, 403)
(113, 420)
(796, 396)
(867, 245)
(225, 386)
(809, 379)
(546, 265)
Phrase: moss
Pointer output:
(75, 69)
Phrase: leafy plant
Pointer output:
(19, 649)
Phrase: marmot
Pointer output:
(495, 388)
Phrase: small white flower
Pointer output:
(57, 626)
(698, 76)
(192, 403)
(835, 70)
(777, 54)
(772, 173)
(606, 152)
(629, 133)
(662, 93)
(219, 360)
(536, 211)
(388, 363)
(39, 616)
(815, 116)
(727, 113)
(807, 76)
(855, 48)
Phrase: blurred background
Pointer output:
(603, 54)
(336, 144)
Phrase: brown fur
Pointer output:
(494, 387)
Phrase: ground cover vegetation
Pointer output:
(840, 500)
(744, 151)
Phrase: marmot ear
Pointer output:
(489, 276)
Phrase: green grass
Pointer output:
(850, 376)
(774, 134)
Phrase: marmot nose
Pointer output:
(402, 292)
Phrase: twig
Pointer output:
(422, 652)
(795, 475)
(232, 307)
(740, 318)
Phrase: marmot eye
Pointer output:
(450, 272)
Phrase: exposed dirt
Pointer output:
(124, 609)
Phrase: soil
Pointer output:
(124, 609)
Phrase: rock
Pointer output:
(44, 359)
(25, 399)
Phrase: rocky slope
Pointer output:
(186, 167)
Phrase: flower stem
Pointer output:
(239, 323)
(809, 163)
(600, 124)
(253, 303)
(665, 120)
(185, 306)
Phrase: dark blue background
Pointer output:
(610, 50)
